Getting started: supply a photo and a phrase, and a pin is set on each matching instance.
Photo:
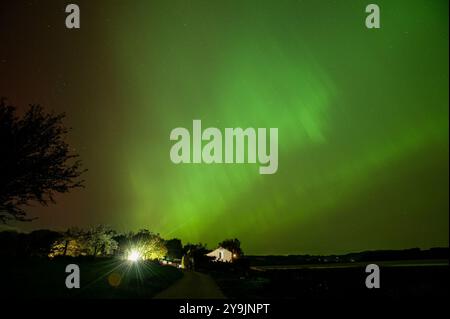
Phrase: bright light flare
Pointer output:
(133, 255)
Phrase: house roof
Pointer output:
(218, 248)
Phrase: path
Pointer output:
(193, 285)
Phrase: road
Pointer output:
(193, 285)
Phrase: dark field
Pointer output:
(336, 282)
(113, 278)
(101, 278)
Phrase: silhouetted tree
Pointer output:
(174, 248)
(40, 242)
(195, 256)
(12, 244)
(198, 249)
(233, 245)
(35, 161)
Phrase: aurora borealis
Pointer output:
(362, 117)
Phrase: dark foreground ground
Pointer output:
(101, 278)
(193, 285)
(113, 278)
(336, 282)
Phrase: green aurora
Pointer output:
(362, 117)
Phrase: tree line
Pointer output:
(100, 241)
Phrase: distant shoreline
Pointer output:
(399, 263)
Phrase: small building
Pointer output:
(221, 254)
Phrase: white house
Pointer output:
(221, 254)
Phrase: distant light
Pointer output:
(134, 256)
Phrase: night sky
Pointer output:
(362, 117)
